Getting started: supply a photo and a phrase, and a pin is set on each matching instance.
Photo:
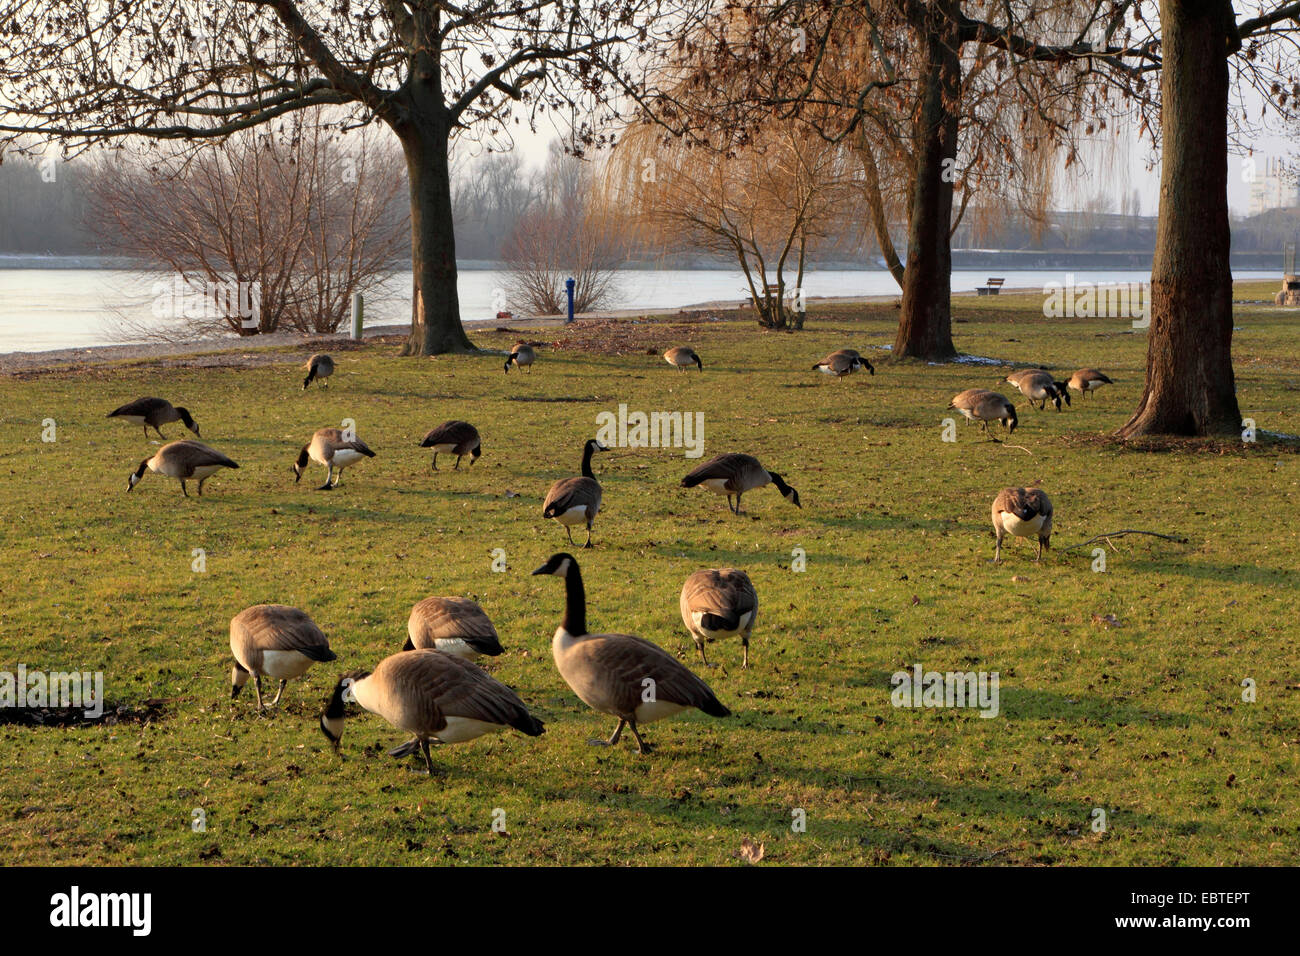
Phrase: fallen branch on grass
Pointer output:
(1120, 534)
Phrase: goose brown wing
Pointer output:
(277, 627)
(623, 662)
(438, 618)
(569, 493)
(193, 454)
(461, 689)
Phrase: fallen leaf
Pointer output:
(749, 852)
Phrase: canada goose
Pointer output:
(152, 412)
(523, 356)
(619, 674)
(319, 366)
(1015, 377)
(1039, 386)
(682, 357)
(454, 438)
(1088, 380)
(431, 695)
(984, 406)
(453, 625)
(734, 474)
(719, 603)
(275, 640)
(331, 448)
(1023, 513)
(843, 362)
(184, 460)
(574, 501)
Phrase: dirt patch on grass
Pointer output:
(647, 336)
(1264, 443)
(113, 715)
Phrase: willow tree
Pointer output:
(899, 82)
(92, 71)
(764, 203)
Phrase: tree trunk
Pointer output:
(1190, 388)
(435, 304)
(925, 326)
(876, 207)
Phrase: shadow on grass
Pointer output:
(1021, 703)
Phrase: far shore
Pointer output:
(17, 362)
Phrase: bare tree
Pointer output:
(84, 72)
(764, 204)
(566, 234)
(297, 218)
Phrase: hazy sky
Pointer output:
(1126, 169)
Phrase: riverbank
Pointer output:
(268, 349)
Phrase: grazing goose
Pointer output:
(152, 412)
(453, 625)
(1039, 386)
(717, 604)
(574, 501)
(433, 696)
(454, 438)
(1015, 377)
(184, 460)
(523, 356)
(331, 448)
(619, 674)
(682, 357)
(984, 406)
(1023, 513)
(1088, 380)
(843, 362)
(734, 474)
(319, 366)
(275, 640)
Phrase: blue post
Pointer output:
(569, 284)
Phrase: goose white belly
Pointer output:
(657, 710)
(346, 456)
(284, 665)
(1012, 524)
(460, 729)
(456, 647)
(745, 620)
(826, 370)
(969, 413)
(133, 419)
(717, 485)
(575, 515)
(446, 448)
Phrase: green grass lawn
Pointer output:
(1143, 719)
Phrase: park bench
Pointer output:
(993, 288)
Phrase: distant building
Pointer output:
(1277, 188)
